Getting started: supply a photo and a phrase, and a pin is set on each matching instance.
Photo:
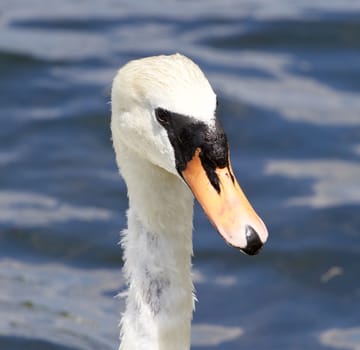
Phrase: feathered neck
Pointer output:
(157, 253)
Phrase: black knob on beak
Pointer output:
(254, 243)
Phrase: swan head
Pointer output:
(164, 109)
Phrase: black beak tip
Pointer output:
(254, 242)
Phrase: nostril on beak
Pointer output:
(253, 240)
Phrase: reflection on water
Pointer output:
(28, 209)
(59, 304)
(341, 338)
(287, 76)
(209, 335)
(328, 189)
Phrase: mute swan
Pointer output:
(169, 146)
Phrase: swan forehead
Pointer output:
(174, 83)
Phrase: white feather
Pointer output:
(157, 243)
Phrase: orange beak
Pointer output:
(228, 210)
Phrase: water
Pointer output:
(288, 79)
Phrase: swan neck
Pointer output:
(157, 261)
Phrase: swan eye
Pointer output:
(162, 116)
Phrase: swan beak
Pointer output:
(228, 209)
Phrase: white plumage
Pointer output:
(158, 241)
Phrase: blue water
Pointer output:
(287, 75)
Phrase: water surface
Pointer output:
(288, 80)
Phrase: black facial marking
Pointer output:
(186, 134)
